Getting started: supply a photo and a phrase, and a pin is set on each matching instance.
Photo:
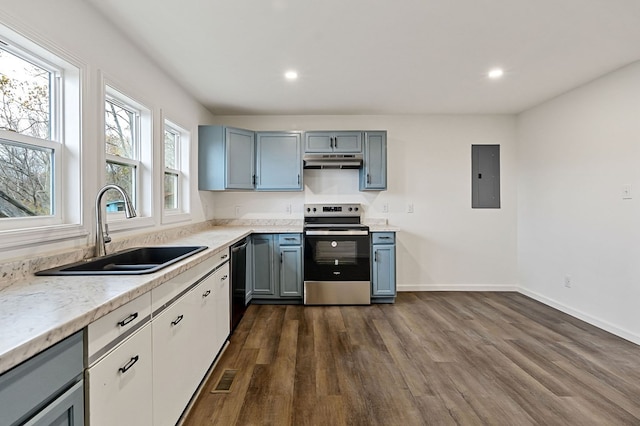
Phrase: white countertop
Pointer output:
(42, 310)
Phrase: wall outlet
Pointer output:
(385, 208)
(626, 192)
(410, 208)
(237, 211)
(288, 208)
(567, 281)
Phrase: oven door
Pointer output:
(337, 267)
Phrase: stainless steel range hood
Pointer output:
(332, 161)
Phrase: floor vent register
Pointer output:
(225, 382)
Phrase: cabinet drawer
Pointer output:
(30, 386)
(165, 294)
(120, 384)
(290, 239)
(105, 333)
(219, 258)
(383, 237)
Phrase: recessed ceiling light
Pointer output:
(291, 75)
(496, 73)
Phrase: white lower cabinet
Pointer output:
(147, 358)
(120, 383)
(173, 360)
(187, 336)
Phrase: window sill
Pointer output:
(175, 218)
(37, 236)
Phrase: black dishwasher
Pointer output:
(238, 281)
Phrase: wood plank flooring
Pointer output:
(432, 358)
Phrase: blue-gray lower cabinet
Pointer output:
(278, 161)
(46, 389)
(373, 173)
(263, 279)
(277, 268)
(383, 267)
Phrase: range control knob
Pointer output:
(308, 209)
(314, 209)
(356, 208)
(350, 208)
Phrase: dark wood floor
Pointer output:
(436, 358)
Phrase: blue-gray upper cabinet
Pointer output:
(278, 161)
(343, 142)
(226, 158)
(373, 173)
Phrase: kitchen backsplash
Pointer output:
(21, 269)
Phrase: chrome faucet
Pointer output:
(102, 237)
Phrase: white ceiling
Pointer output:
(380, 56)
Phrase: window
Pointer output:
(128, 156)
(122, 141)
(176, 156)
(27, 159)
(39, 142)
(171, 172)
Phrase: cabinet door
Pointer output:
(279, 161)
(263, 266)
(175, 375)
(318, 142)
(240, 159)
(222, 305)
(291, 271)
(66, 410)
(212, 298)
(347, 142)
(119, 385)
(384, 270)
(373, 174)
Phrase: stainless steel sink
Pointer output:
(135, 261)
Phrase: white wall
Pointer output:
(75, 30)
(443, 245)
(575, 153)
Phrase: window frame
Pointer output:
(66, 88)
(182, 212)
(141, 197)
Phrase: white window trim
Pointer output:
(183, 213)
(144, 186)
(66, 223)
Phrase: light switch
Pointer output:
(626, 192)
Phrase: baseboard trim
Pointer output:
(457, 287)
(597, 322)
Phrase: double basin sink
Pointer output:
(135, 261)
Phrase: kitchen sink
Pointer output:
(134, 261)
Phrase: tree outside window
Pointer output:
(26, 160)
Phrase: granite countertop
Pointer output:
(39, 311)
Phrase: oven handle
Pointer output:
(336, 232)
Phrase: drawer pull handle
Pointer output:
(177, 320)
(206, 293)
(128, 319)
(129, 364)
(224, 277)
(224, 256)
(384, 238)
